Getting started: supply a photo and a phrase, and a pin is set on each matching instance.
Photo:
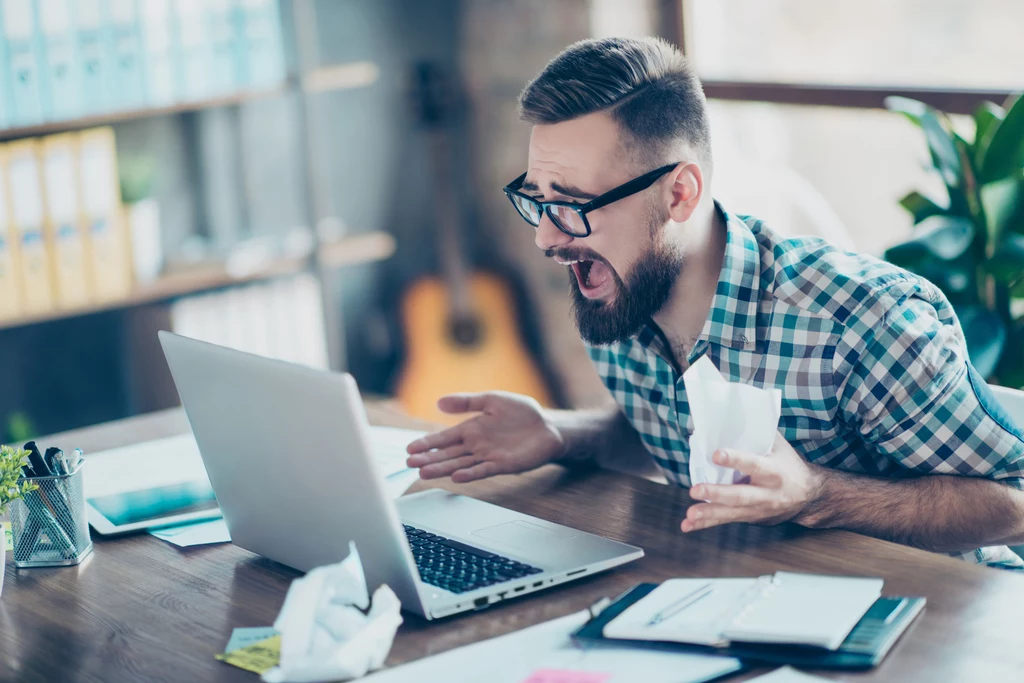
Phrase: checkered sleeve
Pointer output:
(906, 386)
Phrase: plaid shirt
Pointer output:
(871, 361)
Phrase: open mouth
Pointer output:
(593, 277)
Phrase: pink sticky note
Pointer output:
(566, 676)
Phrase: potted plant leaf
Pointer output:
(970, 243)
(12, 487)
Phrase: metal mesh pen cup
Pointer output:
(49, 525)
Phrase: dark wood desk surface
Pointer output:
(140, 609)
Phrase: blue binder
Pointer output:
(5, 95)
(260, 47)
(21, 47)
(61, 87)
(95, 70)
(124, 50)
(222, 37)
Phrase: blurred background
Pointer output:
(320, 181)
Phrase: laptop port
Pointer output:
(578, 571)
(521, 588)
(538, 584)
(480, 602)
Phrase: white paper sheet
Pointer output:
(727, 415)
(514, 657)
(200, 533)
(787, 674)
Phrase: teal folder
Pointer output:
(61, 85)
(95, 71)
(21, 43)
(124, 50)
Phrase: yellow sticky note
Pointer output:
(259, 657)
(8, 536)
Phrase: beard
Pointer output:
(646, 290)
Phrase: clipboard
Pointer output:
(864, 648)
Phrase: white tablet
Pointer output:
(148, 485)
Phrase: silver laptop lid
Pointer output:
(286, 450)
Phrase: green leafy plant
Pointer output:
(971, 242)
(12, 486)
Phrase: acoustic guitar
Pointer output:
(460, 328)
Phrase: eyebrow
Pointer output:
(567, 190)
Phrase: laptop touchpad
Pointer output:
(522, 535)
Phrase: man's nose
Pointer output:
(549, 236)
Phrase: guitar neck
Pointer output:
(454, 268)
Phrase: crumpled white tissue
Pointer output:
(727, 415)
(326, 632)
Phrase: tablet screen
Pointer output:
(133, 507)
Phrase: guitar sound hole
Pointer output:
(466, 331)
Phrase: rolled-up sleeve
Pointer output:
(909, 391)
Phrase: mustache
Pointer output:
(574, 255)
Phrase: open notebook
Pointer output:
(791, 609)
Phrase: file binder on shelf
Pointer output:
(4, 73)
(160, 52)
(260, 49)
(124, 35)
(94, 57)
(25, 194)
(222, 37)
(20, 42)
(63, 221)
(61, 87)
(10, 274)
(195, 48)
(107, 233)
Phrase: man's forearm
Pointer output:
(940, 513)
(595, 435)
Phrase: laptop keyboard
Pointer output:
(458, 567)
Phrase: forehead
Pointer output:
(585, 152)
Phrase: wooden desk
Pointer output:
(140, 609)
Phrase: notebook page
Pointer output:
(806, 609)
(699, 623)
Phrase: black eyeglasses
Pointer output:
(569, 217)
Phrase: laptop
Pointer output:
(286, 448)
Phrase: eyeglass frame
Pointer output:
(626, 189)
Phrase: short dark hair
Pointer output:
(646, 84)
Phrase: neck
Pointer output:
(683, 315)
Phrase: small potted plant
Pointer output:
(12, 487)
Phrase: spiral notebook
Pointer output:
(784, 609)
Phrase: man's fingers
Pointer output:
(706, 515)
(440, 455)
(756, 466)
(464, 403)
(449, 437)
(731, 494)
(445, 469)
(478, 471)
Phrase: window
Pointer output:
(921, 43)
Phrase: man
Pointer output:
(871, 361)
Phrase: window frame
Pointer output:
(950, 100)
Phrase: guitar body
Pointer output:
(437, 363)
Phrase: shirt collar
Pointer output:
(732, 320)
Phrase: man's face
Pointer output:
(623, 272)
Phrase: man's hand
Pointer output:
(782, 484)
(511, 434)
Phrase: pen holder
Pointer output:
(49, 525)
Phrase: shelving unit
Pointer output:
(354, 250)
(143, 377)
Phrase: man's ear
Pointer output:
(684, 190)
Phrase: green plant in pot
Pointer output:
(12, 487)
(971, 242)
